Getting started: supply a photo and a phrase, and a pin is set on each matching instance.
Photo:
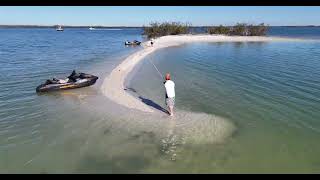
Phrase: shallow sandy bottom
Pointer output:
(113, 85)
(199, 127)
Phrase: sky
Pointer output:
(143, 15)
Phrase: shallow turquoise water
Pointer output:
(269, 91)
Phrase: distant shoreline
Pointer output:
(36, 26)
(69, 26)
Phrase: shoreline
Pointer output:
(114, 84)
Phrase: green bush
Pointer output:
(240, 29)
(259, 30)
(167, 28)
(218, 30)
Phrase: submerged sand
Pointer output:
(113, 85)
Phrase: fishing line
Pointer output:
(156, 68)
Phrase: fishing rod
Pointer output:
(161, 76)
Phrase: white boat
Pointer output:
(91, 28)
(59, 28)
(112, 29)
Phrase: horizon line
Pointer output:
(31, 25)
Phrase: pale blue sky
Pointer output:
(143, 15)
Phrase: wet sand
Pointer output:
(113, 85)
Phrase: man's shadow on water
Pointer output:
(148, 101)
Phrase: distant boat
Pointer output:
(135, 42)
(91, 28)
(112, 29)
(59, 28)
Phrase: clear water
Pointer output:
(269, 91)
(297, 32)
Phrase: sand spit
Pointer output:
(113, 85)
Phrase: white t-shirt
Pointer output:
(169, 85)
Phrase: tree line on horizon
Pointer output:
(156, 29)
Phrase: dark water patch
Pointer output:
(107, 165)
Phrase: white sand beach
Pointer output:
(113, 85)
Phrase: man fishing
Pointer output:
(170, 93)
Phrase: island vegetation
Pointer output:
(240, 29)
(156, 29)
